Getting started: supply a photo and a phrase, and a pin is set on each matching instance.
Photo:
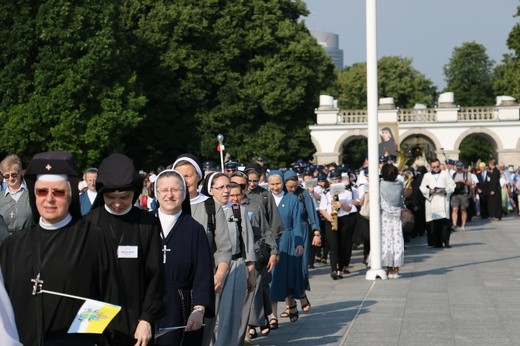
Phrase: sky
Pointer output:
(425, 31)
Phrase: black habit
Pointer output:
(189, 271)
(495, 194)
(76, 259)
(142, 277)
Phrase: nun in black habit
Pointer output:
(61, 252)
(135, 235)
(188, 263)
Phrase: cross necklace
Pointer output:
(38, 282)
(164, 249)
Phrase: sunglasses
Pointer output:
(57, 193)
(12, 175)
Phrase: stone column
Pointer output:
(327, 113)
(446, 110)
(508, 109)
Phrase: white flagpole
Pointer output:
(373, 147)
(63, 294)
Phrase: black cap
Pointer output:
(209, 165)
(231, 165)
(117, 173)
(322, 176)
(335, 175)
(53, 162)
(254, 167)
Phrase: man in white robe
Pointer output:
(437, 187)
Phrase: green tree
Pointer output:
(469, 74)
(397, 78)
(247, 69)
(474, 148)
(506, 80)
(68, 87)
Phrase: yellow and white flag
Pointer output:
(93, 317)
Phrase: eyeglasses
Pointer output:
(12, 175)
(172, 190)
(227, 187)
(44, 192)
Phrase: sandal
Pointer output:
(265, 330)
(285, 313)
(273, 323)
(252, 333)
(306, 304)
(293, 316)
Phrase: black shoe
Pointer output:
(334, 275)
(447, 246)
(438, 246)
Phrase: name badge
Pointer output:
(126, 251)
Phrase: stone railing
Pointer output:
(353, 116)
(478, 114)
(408, 115)
(413, 115)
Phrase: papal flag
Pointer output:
(93, 317)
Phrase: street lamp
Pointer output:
(220, 138)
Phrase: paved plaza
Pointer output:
(466, 295)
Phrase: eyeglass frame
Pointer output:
(11, 175)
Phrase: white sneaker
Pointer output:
(391, 276)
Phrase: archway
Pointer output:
(353, 151)
(418, 146)
(477, 147)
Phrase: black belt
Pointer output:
(236, 256)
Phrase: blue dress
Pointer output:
(288, 278)
(309, 223)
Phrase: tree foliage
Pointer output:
(155, 78)
(469, 75)
(507, 74)
(474, 148)
(64, 79)
(397, 78)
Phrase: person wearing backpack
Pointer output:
(460, 197)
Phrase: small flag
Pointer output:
(93, 317)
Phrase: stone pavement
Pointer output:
(466, 295)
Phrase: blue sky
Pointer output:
(425, 31)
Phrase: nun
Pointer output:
(60, 253)
(188, 264)
(288, 279)
(135, 236)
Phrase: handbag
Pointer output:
(262, 252)
(407, 220)
(365, 208)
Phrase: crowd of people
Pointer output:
(195, 255)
